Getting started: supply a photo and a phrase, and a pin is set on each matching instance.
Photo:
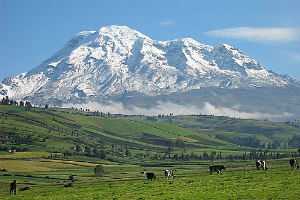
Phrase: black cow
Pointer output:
(216, 168)
(169, 174)
(261, 164)
(294, 164)
(150, 176)
(25, 188)
(13, 187)
(68, 185)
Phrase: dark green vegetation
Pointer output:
(56, 146)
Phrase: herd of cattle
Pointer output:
(260, 164)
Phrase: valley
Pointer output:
(45, 149)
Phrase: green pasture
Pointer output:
(52, 127)
(267, 131)
(62, 130)
(48, 162)
(239, 181)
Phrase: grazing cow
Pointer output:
(261, 164)
(169, 174)
(13, 187)
(294, 164)
(25, 188)
(150, 176)
(68, 185)
(216, 168)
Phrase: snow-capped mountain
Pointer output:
(115, 61)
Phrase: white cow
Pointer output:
(169, 174)
(261, 164)
(294, 164)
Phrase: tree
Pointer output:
(170, 143)
(294, 142)
(97, 152)
(127, 152)
(175, 156)
(179, 143)
(205, 155)
(5, 101)
(99, 171)
(78, 148)
(103, 154)
(88, 150)
(231, 157)
(28, 105)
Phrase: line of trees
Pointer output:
(294, 142)
(254, 142)
(252, 155)
(7, 101)
(18, 149)
(250, 141)
(16, 138)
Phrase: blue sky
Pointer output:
(266, 30)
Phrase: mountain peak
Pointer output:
(117, 60)
(120, 31)
(115, 28)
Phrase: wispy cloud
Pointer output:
(258, 34)
(166, 108)
(167, 22)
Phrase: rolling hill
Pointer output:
(60, 130)
(64, 130)
(266, 131)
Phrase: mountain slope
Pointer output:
(62, 130)
(116, 62)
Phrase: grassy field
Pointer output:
(239, 181)
(61, 130)
(46, 160)
(267, 131)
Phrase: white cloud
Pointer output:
(165, 108)
(258, 34)
(167, 22)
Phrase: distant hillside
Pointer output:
(266, 131)
(63, 130)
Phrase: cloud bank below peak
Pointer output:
(258, 34)
(165, 108)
